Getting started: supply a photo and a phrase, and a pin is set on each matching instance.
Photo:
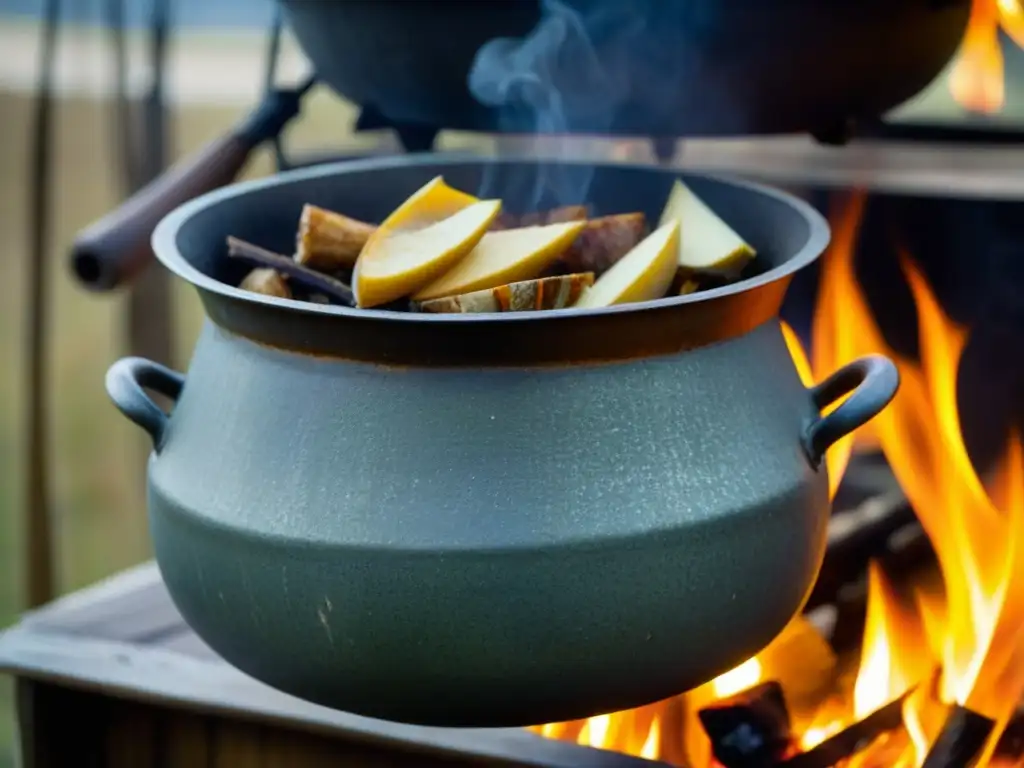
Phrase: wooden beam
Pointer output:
(153, 675)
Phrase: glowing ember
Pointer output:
(966, 629)
(739, 679)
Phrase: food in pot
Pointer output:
(603, 242)
(443, 250)
(507, 256)
(558, 215)
(423, 238)
(688, 286)
(709, 245)
(315, 282)
(330, 241)
(555, 292)
(645, 273)
(268, 282)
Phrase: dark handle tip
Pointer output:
(115, 249)
(126, 380)
(873, 380)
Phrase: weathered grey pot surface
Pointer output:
(461, 535)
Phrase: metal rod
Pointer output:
(270, 78)
(150, 308)
(40, 576)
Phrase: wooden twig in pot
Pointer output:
(267, 282)
(602, 243)
(329, 241)
(309, 278)
(560, 215)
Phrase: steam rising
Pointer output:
(571, 72)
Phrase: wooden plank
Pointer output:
(31, 754)
(237, 745)
(187, 643)
(50, 737)
(130, 735)
(184, 740)
(154, 675)
(133, 606)
(289, 749)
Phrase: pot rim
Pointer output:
(165, 245)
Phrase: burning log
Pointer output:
(310, 278)
(267, 282)
(854, 538)
(329, 241)
(961, 739)
(908, 554)
(851, 740)
(750, 729)
(1010, 748)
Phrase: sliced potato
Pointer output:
(707, 245)
(643, 274)
(421, 240)
(556, 292)
(688, 286)
(504, 257)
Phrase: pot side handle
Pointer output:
(873, 380)
(125, 382)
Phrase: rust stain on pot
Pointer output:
(471, 361)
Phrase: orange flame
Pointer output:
(1011, 19)
(976, 80)
(968, 630)
(894, 654)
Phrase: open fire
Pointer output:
(977, 79)
(941, 664)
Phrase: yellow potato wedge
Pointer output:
(422, 239)
(707, 245)
(503, 257)
(643, 274)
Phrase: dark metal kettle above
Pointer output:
(497, 519)
(644, 67)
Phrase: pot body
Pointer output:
(365, 536)
(671, 67)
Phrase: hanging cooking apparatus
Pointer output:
(498, 519)
(679, 68)
(644, 67)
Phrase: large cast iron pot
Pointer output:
(491, 519)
